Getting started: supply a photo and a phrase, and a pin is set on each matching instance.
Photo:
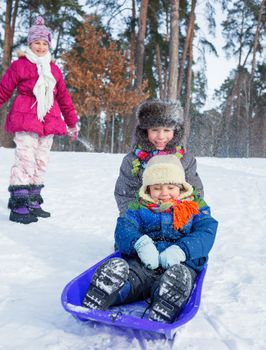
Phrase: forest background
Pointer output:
(115, 54)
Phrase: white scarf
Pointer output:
(44, 87)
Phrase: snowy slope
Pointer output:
(37, 260)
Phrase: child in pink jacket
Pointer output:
(34, 118)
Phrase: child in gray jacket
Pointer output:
(160, 131)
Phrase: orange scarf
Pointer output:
(182, 213)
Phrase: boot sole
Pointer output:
(22, 218)
(174, 290)
(39, 213)
(106, 283)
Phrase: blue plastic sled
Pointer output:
(129, 315)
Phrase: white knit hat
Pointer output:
(164, 169)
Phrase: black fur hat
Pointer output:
(159, 113)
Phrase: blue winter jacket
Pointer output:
(196, 238)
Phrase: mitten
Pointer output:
(72, 133)
(147, 252)
(171, 256)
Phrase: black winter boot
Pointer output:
(35, 201)
(107, 281)
(174, 290)
(18, 203)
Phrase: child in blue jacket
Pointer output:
(164, 237)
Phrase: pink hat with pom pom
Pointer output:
(39, 31)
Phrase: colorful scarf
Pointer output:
(143, 157)
(182, 211)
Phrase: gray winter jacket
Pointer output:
(127, 185)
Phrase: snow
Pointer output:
(38, 260)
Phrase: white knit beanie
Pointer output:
(164, 169)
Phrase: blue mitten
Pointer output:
(147, 252)
(171, 256)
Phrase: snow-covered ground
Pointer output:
(37, 260)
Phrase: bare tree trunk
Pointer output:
(241, 67)
(238, 114)
(57, 43)
(124, 133)
(173, 50)
(139, 59)
(133, 41)
(255, 44)
(100, 139)
(59, 37)
(140, 42)
(105, 138)
(256, 40)
(129, 121)
(246, 113)
(7, 37)
(253, 67)
(228, 113)
(241, 39)
(159, 70)
(94, 140)
(190, 29)
(6, 140)
(188, 91)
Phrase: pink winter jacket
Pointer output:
(22, 74)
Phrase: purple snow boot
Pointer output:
(18, 203)
(35, 201)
